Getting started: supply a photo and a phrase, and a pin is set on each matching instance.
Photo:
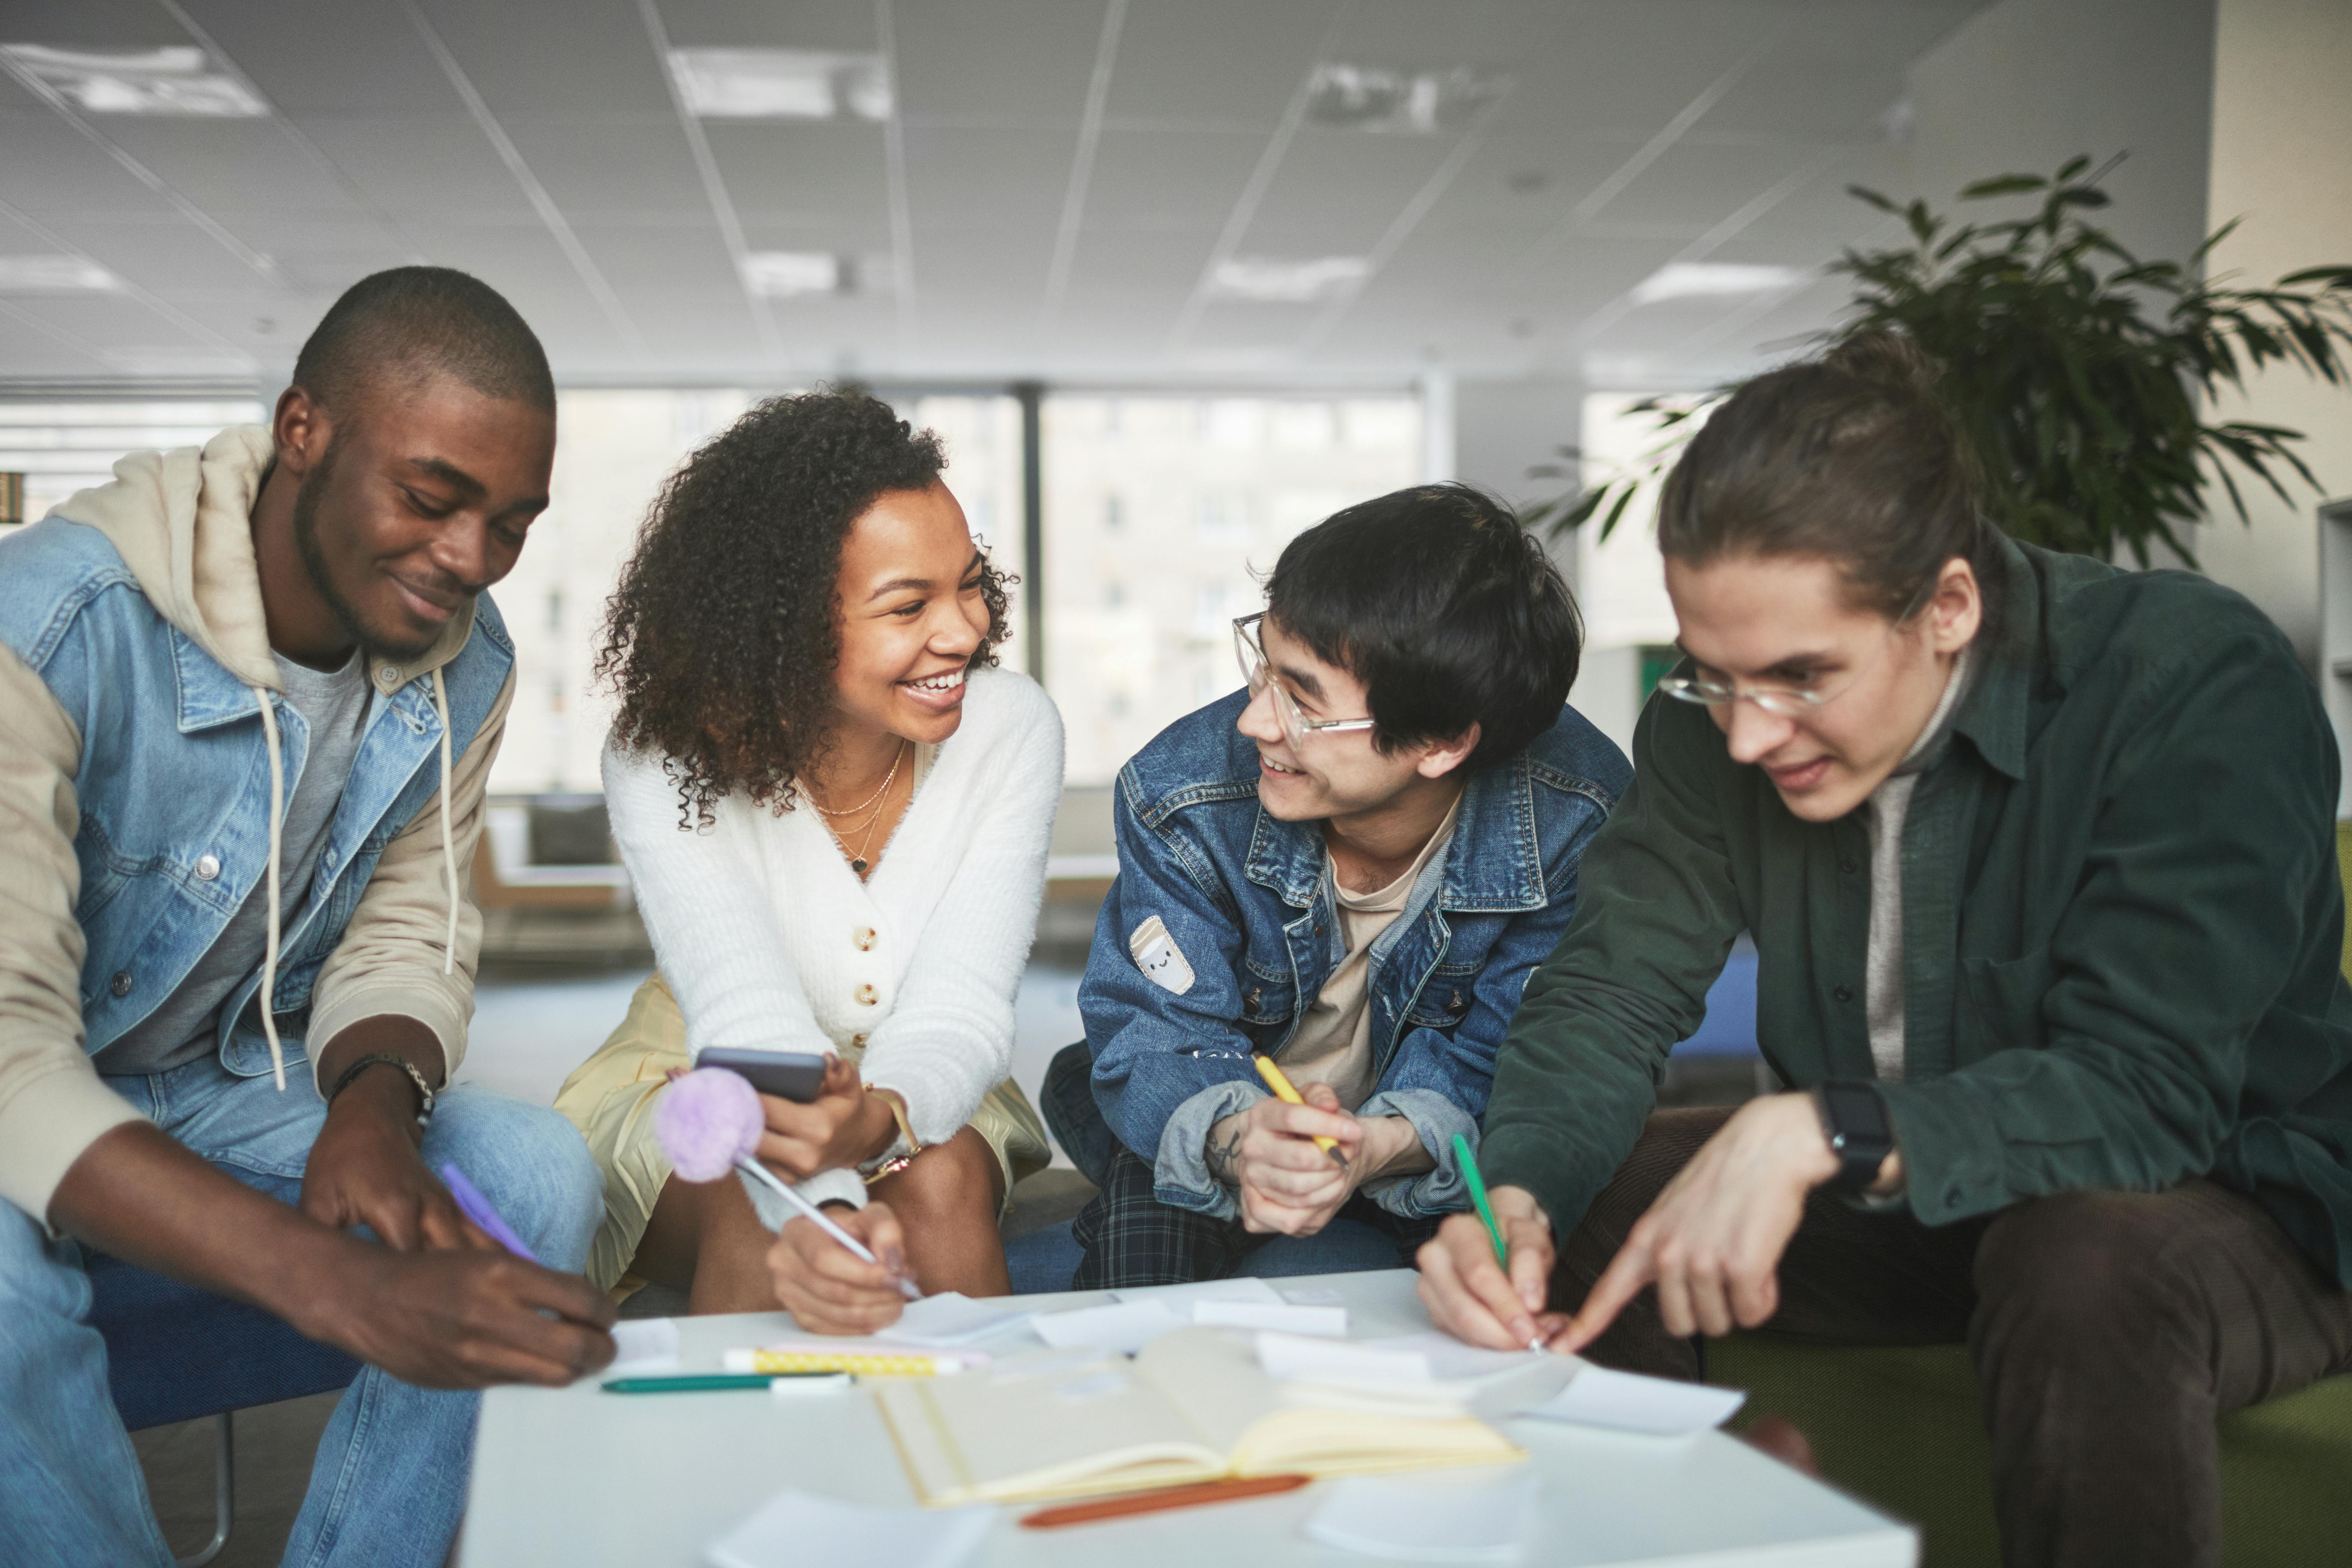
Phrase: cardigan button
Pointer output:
(207, 868)
(1843, 992)
(864, 936)
(120, 984)
(865, 996)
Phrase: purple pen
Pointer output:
(477, 1209)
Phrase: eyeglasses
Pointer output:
(1250, 653)
(1786, 702)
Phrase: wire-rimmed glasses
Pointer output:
(1785, 701)
(1249, 651)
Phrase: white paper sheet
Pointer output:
(1182, 1296)
(1325, 1323)
(1628, 1402)
(953, 1317)
(1449, 1357)
(1467, 1517)
(796, 1528)
(1287, 1356)
(646, 1345)
(1125, 1327)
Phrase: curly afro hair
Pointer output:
(722, 637)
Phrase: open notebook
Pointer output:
(1193, 1407)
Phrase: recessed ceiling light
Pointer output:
(54, 275)
(1287, 282)
(1701, 279)
(177, 81)
(781, 84)
(794, 274)
(1375, 98)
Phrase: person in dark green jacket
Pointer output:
(2038, 858)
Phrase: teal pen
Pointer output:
(703, 1383)
(1477, 1184)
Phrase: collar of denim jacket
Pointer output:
(1495, 864)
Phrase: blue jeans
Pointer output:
(389, 1482)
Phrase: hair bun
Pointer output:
(1886, 359)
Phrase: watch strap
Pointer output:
(387, 1058)
(1860, 1149)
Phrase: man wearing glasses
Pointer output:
(1349, 867)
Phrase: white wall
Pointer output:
(2027, 84)
(2282, 161)
(1503, 429)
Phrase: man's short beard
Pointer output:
(314, 560)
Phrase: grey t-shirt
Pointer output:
(334, 704)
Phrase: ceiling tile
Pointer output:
(523, 60)
(605, 165)
(1194, 62)
(431, 165)
(841, 26)
(346, 57)
(975, 176)
(954, 59)
(816, 172)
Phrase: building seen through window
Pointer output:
(1162, 514)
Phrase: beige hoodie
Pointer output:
(182, 521)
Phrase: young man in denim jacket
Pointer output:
(1351, 869)
(248, 699)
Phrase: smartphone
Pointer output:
(787, 1075)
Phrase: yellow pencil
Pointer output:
(863, 1365)
(1283, 1093)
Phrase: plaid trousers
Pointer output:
(1132, 1238)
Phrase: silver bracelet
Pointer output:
(387, 1058)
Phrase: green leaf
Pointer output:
(2002, 185)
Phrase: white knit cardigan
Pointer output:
(771, 941)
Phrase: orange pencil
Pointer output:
(1194, 1496)
(1276, 1081)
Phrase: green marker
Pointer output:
(701, 1382)
(1477, 1184)
(1478, 1196)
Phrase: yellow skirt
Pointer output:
(610, 1098)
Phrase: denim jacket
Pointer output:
(132, 664)
(1248, 900)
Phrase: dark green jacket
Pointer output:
(2121, 921)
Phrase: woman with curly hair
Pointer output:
(836, 811)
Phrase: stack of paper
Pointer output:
(1628, 1402)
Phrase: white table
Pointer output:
(582, 1478)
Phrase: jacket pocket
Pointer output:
(2004, 1007)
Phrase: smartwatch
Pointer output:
(1853, 1120)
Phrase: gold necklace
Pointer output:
(858, 862)
(887, 779)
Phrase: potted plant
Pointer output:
(2075, 369)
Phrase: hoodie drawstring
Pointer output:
(448, 850)
(277, 851)
(277, 847)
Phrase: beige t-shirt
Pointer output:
(1334, 1042)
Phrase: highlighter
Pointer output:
(1276, 1081)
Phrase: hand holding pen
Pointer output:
(710, 1121)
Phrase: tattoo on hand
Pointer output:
(1224, 1159)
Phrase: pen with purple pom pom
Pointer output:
(710, 1122)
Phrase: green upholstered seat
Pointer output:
(1900, 1429)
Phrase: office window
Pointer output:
(1163, 516)
(64, 447)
